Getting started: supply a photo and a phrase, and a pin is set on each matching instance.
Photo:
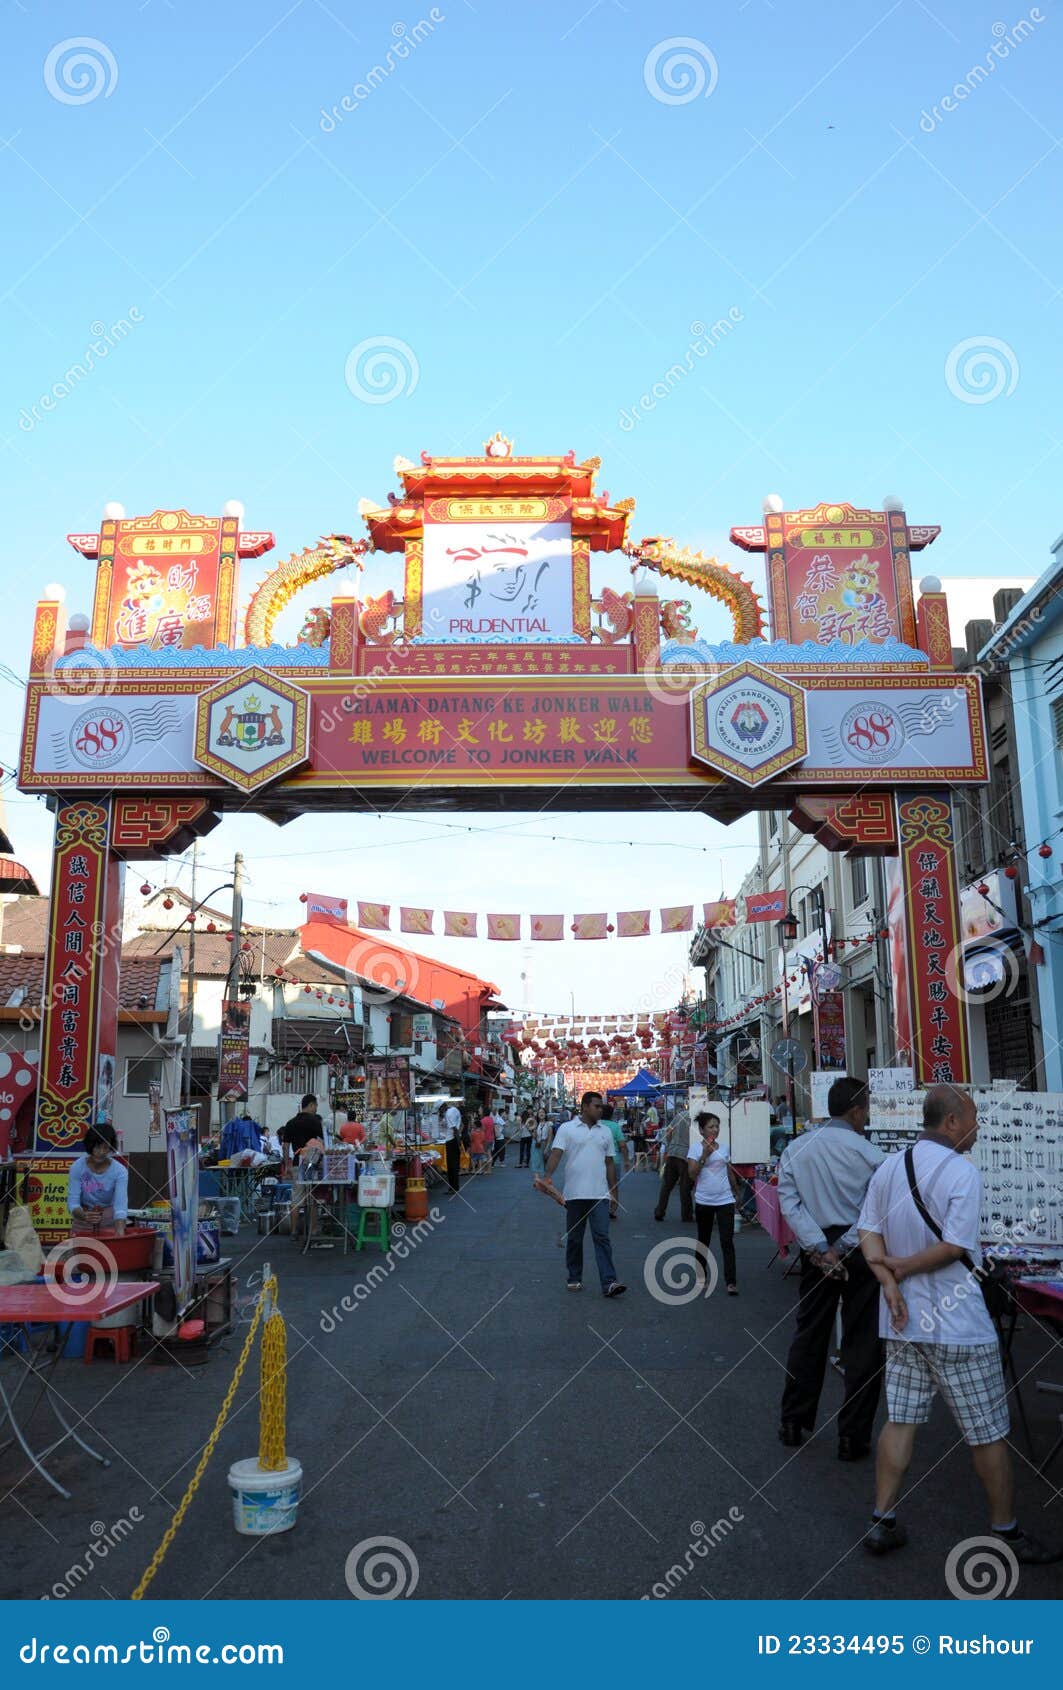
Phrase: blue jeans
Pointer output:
(577, 1213)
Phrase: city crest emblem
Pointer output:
(251, 728)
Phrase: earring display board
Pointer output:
(1019, 1153)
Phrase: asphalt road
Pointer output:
(516, 1439)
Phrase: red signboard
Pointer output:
(932, 921)
(166, 580)
(766, 906)
(829, 1014)
(529, 730)
(235, 1042)
(837, 573)
(75, 971)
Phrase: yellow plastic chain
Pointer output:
(272, 1394)
(268, 1291)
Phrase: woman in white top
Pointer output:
(715, 1191)
(542, 1138)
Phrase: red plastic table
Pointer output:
(61, 1306)
(770, 1217)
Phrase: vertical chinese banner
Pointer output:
(182, 1168)
(828, 1010)
(233, 1059)
(166, 580)
(931, 903)
(79, 1013)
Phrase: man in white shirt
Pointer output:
(590, 1183)
(923, 1250)
(450, 1139)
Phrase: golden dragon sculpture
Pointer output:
(335, 551)
(694, 569)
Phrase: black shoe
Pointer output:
(658, 1217)
(850, 1450)
(884, 1536)
(1030, 1551)
(615, 1289)
(791, 1434)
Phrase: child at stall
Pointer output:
(477, 1148)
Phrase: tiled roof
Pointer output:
(140, 979)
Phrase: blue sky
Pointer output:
(516, 204)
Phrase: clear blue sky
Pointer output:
(515, 205)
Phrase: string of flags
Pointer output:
(548, 928)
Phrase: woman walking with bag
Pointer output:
(716, 1190)
(541, 1140)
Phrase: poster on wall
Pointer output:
(387, 1082)
(44, 1193)
(497, 568)
(182, 1169)
(105, 1069)
(235, 1045)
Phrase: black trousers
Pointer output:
(525, 1153)
(722, 1215)
(452, 1151)
(861, 1351)
(675, 1173)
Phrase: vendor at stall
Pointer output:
(98, 1184)
(296, 1134)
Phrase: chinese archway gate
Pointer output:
(492, 670)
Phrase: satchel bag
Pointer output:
(991, 1276)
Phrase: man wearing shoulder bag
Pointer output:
(919, 1232)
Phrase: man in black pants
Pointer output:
(674, 1169)
(823, 1176)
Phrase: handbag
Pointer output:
(991, 1276)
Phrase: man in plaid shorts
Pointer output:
(938, 1333)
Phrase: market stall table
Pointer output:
(1043, 1300)
(770, 1217)
(45, 1305)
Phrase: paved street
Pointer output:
(521, 1440)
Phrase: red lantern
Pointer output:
(303, 898)
(145, 890)
(211, 927)
(167, 903)
(982, 888)
(1044, 850)
(1011, 871)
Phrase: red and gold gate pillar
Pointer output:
(79, 1015)
(926, 942)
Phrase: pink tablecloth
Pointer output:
(768, 1214)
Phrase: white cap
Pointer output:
(113, 511)
(930, 584)
(78, 623)
(233, 507)
(773, 504)
(892, 502)
(54, 593)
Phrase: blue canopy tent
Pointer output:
(642, 1085)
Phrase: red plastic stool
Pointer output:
(122, 1338)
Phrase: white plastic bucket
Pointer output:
(264, 1503)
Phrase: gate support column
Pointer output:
(79, 1015)
(936, 1040)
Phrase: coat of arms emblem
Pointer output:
(251, 728)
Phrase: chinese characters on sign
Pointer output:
(74, 968)
(505, 576)
(166, 580)
(840, 574)
(235, 1044)
(928, 869)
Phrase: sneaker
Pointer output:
(575, 1285)
(1030, 1551)
(884, 1536)
(615, 1289)
(732, 1290)
(791, 1434)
